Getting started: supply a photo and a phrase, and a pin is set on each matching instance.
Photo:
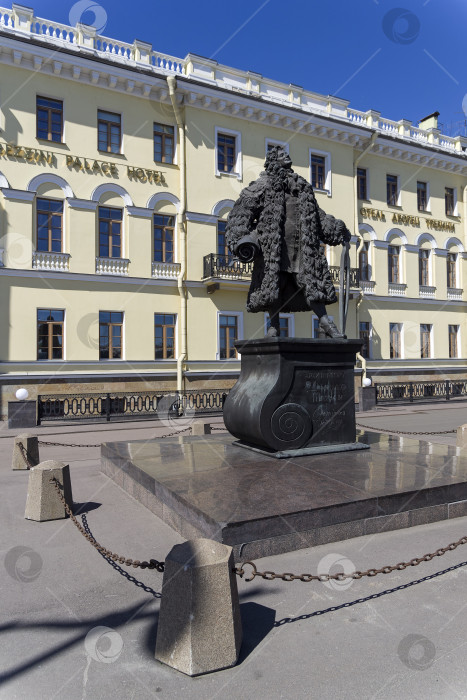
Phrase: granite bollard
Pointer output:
(199, 629)
(31, 446)
(200, 427)
(43, 502)
(462, 436)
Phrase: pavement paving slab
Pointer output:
(75, 627)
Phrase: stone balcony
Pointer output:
(367, 286)
(165, 270)
(112, 266)
(58, 262)
(427, 292)
(455, 294)
(397, 289)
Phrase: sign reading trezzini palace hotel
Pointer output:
(87, 165)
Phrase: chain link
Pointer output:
(25, 456)
(135, 563)
(99, 444)
(405, 432)
(323, 578)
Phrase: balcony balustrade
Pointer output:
(455, 294)
(427, 292)
(397, 290)
(59, 262)
(112, 266)
(165, 270)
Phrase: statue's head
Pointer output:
(277, 157)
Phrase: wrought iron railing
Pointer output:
(418, 391)
(224, 266)
(122, 405)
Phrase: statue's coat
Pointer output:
(261, 207)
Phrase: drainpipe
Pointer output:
(172, 83)
(357, 160)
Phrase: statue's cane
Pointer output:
(344, 286)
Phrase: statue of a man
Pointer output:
(276, 222)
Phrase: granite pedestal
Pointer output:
(207, 486)
(294, 396)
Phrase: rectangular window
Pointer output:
(449, 201)
(226, 153)
(362, 188)
(228, 334)
(49, 213)
(163, 143)
(395, 337)
(392, 190)
(422, 196)
(315, 327)
(393, 264)
(364, 334)
(424, 268)
(318, 172)
(164, 336)
(110, 335)
(50, 334)
(109, 132)
(452, 270)
(110, 232)
(284, 325)
(364, 262)
(164, 238)
(49, 119)
(425, 340)
(453, 336)
(222, 248)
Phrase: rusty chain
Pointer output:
(323, 578)
(405, 432)
(135, 563)
(25, 455)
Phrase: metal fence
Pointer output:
(401, 392)
(122, 405)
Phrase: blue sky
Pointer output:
(404, 58)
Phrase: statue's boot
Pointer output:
(328, 329)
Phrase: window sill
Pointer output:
(395, 206)
(168, 165)
(236, 175)
(315, 189)
(111, 154)
(53, 143)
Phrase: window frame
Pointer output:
(424, 268)
(62, 124)
(430, 342)
(427, 208)
(359, 179)
(398, 190)
(367, 249)
(455, 211)
(62, 227)
(110, 234)
(163, 135)
(370, 337)
(239, 315)
(50, 325)
(103, 121)
(400, 330)
(327, 170)
(390, 266)
(238, 167)
(456, 335)
(164, 229)
(164, 338)
(449, 265)
(110, 345)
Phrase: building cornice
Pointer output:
(319, 116)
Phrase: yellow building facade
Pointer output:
(118, 167)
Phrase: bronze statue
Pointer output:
(276, 222)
